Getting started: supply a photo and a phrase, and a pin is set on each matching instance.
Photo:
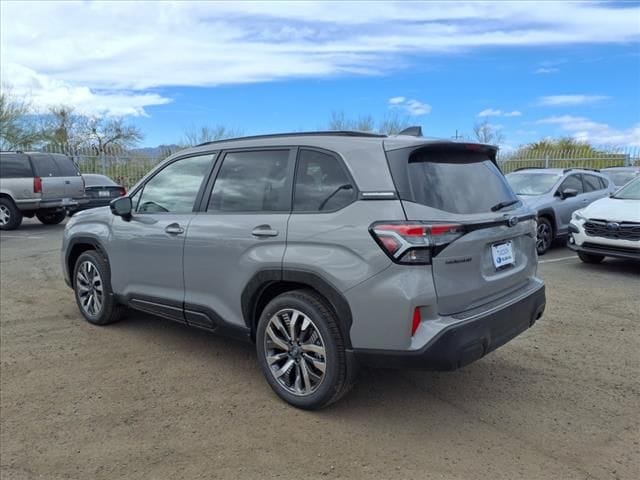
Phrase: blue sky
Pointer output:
(531, 69)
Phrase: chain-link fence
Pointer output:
(128, 166)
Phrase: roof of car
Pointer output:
(338, 139)
(629, 168)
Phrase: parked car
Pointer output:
(609, 227)
(40, 184)
(555, 193)
(100, 190)
(329, 250)
(620, 176)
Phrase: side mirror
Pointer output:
(122, 207)
(568, 192)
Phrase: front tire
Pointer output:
(92, 287)
(544, 237)
(590, 258)
(10, 216)
(301, 350)
(51, 218)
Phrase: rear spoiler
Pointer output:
(441, 145)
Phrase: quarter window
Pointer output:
(15, 165)
(322, 184)
(174, 189)
(572, 181)
(253, 181)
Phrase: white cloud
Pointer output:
(492, 112)
(564, 100)
(413, 107)
(546, 70)
(396, 100)
(134, 46)
(44, 92)
(585, 129)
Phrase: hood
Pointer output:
(534, 201)
(613, 209)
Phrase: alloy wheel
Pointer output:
(543, 239)
(90, 289)
(295, 352)
(5, 215)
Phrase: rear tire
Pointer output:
(590, 258)
(544, 237)
(51, 218)
(92, 287)
(308, 368)
(10, 216)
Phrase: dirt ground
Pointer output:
(149, 399)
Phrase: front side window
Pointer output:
(255, 181)
(591, 183)
(572, 182)
(321, 183)
(174, 189)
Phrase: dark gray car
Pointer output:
(555, 193)
(329, 250)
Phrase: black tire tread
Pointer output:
(51, 218)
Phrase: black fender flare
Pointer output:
(548, 212)
(264, 279)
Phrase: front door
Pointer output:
(242, 230)
(146, 254)
(566, 206)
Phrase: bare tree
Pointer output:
(487, 133)
(18, 127)
(105, 133)
(196, 136)
(392, 124)
(63, 128)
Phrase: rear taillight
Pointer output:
(37, 185)
(122, 191)
(414, 242)
(415, 322)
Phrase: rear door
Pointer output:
(45, 167)
(73, 183)
(594, 188)
(494, 254)
(241, 230)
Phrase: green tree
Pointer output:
(18, 127)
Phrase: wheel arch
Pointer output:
(550, 215)
(77, 246)
(265, 285)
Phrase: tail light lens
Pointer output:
(122, 191)
(415, 321)
(37, 185)
(414, 242)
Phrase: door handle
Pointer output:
(264, 231)
(174, 229)
(68, 182)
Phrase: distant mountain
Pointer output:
(157, 151)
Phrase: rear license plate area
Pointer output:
(502, 255)
(104, 193)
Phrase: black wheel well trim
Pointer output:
(276, 281)
(551, 216)
(73, 251)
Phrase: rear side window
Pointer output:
(15, 165)
(255, 181)
(66, 167)
(454, 181)
(603, 182)
(45, 166)
(322, 184)
(573, 182)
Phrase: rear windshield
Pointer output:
(620, 178)
(456, 182)
(66, 166)
(47, 165)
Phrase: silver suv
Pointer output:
(554, 194)
(40, 184)
(328, 250)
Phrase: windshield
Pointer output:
(621, 178)
(532, 183)
(631, 191)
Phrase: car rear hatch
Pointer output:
(73, 182)
(481, 238)
(59, 177)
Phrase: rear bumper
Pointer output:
(466, 341)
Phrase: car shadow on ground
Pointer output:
(611, 265)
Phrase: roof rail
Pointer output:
(327, 133)
(528, 168)
(414, 131)
(580, 168)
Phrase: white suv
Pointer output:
(609, 227)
